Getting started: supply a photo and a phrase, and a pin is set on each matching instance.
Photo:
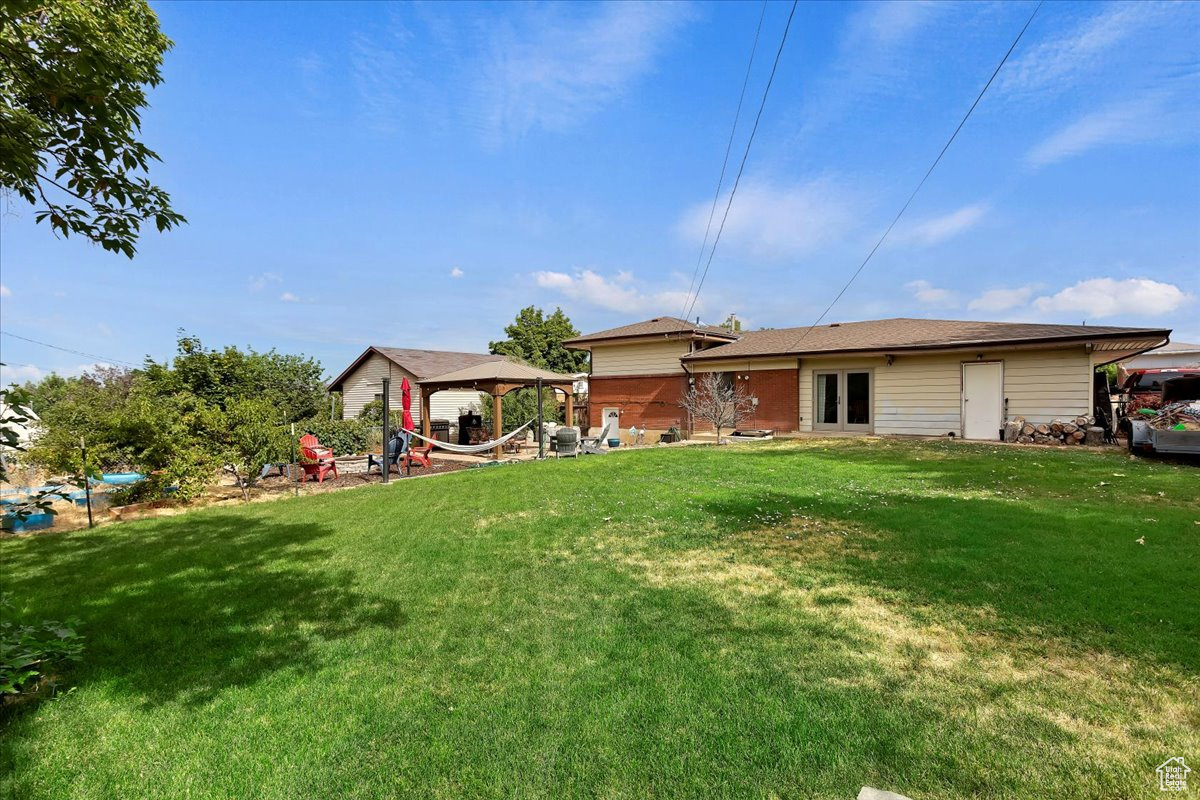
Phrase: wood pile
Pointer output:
(1078, 430)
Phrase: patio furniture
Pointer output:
(396, 448)
(316, 459)
(591, 444)
(566, 443)
(418, 456)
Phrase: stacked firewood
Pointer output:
(1078, 430)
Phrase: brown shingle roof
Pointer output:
(501, 370)
(659, 326)
(907, 334)
(421, 363)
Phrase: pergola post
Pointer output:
(425, 411)
(571, 408)
(498, 423)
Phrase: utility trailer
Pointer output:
(1146, 439)
(1160, 411)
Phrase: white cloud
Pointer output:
(1106, 297)
(1060, 61)
(1156, 117)
(558, 69)
(939, 229)
(5, 291)
(927, 293)
(20, 373)
(616, 294)
(1001, 299)
(508, 72)
(288, 297)
(456, 273)
(260, 282)
(882, 24)
(779, 222)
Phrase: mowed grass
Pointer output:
(777, 620)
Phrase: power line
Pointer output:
(104, 359)
(725, 163)
(928, 172)
(745, 155)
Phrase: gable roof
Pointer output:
(666, 327)
(903, 334)
(422, 364)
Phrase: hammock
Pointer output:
(469, 449)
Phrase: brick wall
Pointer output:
(647, 401)
(778, 393)
(652, 401)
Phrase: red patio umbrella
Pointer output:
(406, 404)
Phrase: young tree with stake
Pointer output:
(718, 402)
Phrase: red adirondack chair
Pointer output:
(316, 459)
(418, 456)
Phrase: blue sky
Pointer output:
(412, 175)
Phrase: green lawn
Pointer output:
(777, 620)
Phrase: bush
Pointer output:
(372, 412)
(343, 436)
(29, 653)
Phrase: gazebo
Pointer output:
(496, 378)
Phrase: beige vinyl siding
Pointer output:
(921, 395)
(806, 397)
(365, 382)
(639, 358)
(1044, 384)
(446, 403)
(742, 365)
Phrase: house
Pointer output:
(1173, 355)
(894, 376)
(362, 381)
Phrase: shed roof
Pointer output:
(422, 364)
(915, 334)
(659, 326)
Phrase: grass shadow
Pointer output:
(178, 610)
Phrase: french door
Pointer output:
(843, 400)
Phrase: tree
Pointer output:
(252, 440)
(716, 400)
(293, 383)
(73, 78)
(538, 339)
(519, 407)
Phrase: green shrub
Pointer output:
(343, 436)
(372, 412)
(29, 653)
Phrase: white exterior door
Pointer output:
(983, 400)
(611, 421)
